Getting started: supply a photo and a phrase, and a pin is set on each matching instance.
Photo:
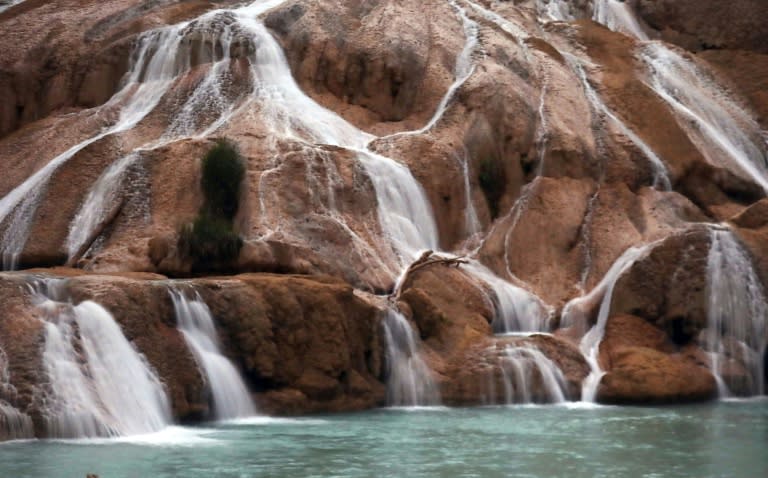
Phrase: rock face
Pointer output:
(530, 141)
(453, 315)
(305, 345)
(689, 23)
(644, 366)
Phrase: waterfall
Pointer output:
(716, 124)
(737, 323)
(471, 221)
(522, 368)
(99, 385)
(517, 310)
(463, 69)
(231, 398)
(102, 202)
(575, 313)
(409, 378)
(14, 424)
(660, 176)
(404, 212)
(554, 10)
(6, 4)
(618, 16)
(151, 73)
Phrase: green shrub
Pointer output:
(493, 181)
(209, 241)
(223, 172)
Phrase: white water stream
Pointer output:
(737, 315)
(724, 132)
(618, 16)
(99, 385)
(152, 71)
(6, 4)
(529, 376)
(162, 56)
(14, 424)
(576, 314)
(231, 398)
(409, 378)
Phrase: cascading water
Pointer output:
(575, 314)
(6, 4)
(737, 323)
(99, 385)
(717, 125)
(230, 395)
(618, 16)
(404, 212)
(99, 206)
(205, 110)
(152, 71)
(555, 10)
(471, 221)
(14, 424)
(528, 376)
(517, 310)
(409, 378)
(163, 55)
(661, 176)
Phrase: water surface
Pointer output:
(725, 439)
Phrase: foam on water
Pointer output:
(172, 436)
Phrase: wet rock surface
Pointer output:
(370, 131)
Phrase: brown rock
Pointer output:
(477, 378)
(623, 331)
(145, 313)
(707, 24)
(644, 375)
(668, 286)
(313, 336)
(450, 309)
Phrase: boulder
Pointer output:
(643, 365)
(668, 287)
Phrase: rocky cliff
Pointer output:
(590, 177)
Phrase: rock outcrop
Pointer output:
(522, 139)
(305, 345)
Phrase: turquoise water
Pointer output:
(726, 439)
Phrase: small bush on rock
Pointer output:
(210, 241)
(223, 173)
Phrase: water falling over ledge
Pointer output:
(230, 395)
(99, 385)
(737, 314)
(14, 424)
(528, 376)
(575, 315)
(409, 378)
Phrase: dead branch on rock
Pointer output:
(426, 260)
